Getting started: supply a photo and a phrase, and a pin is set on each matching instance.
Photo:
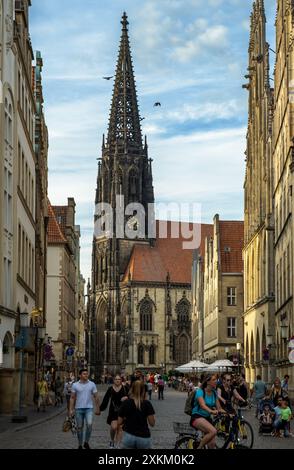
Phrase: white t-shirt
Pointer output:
(84, 392)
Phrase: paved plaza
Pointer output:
(48, 433)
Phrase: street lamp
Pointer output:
(284, 332)
(238, 346)
(21, 343)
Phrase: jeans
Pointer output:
(258, 402)
(82, 415)
(134, 442)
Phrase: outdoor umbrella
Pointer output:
(220, 364)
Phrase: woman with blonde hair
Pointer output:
(134, 415)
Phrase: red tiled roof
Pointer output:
(231, 246)
(61, 215)
(152, 264)
(55, 234)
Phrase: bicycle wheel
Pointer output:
(187, 442)
(222, 433)
(245, 435)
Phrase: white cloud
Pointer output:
(213, 39)
(205, 112)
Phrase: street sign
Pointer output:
(70, 351)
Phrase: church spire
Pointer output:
(124, 123)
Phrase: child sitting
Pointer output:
(277, 419)
(266, 420)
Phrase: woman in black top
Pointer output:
(226, 392)
(135, 414)
(117, 393)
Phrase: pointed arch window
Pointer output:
(146, 316)
(133, 184)
(141, 354)
(183, 314)
(152, 355)
(183, 350)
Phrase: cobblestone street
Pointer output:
(49, 435)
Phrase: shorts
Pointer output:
(196, 416)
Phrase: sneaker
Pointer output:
(86, 445)
(111, 445)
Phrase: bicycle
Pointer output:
(233, 432)
(188, 437)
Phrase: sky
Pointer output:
(190, 55)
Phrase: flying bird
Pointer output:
(142, 119)
(107, 78)
(157, 104)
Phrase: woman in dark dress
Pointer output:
(117, 393)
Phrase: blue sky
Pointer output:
(191, 55)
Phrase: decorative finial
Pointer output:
(124, 21)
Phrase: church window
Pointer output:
(146, 316)
(152, 354)
(132, 185)
(140, 354)
(183, 350)
(183, 313)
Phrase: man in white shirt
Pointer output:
(83, 394)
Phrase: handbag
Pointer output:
(66, 425)
(73, 423)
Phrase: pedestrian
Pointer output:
(83, 393)
(42, 394)
(67, 390)
(276, 391)
(150, 389)
(285, 385)
(116, 394)
(135, 414)
(58, 391)
(260, 391)
(160, 385)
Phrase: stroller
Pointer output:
(266, 417)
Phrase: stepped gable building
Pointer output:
(217, 293)
(64, 286)
(140, 308)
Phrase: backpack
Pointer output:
(189, 405)
(190, 401)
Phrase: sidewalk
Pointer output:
(34, 418)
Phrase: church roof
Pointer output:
(231, 246)
(55, 234)
(151, 264)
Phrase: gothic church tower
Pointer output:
(124, 174)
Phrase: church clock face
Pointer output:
(133, 223)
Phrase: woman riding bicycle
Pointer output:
(206, 403)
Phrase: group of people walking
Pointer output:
(129, 415)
